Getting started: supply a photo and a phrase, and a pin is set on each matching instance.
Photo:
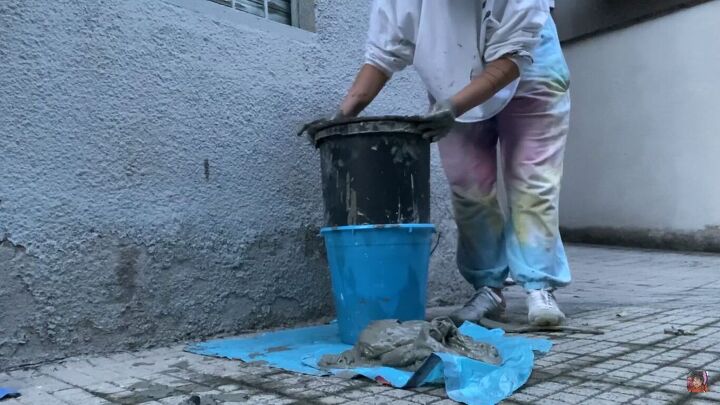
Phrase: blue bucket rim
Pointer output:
(379, 226)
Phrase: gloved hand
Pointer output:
(339, 114)
(438, 122)
(310, 127)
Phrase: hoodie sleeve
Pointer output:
(390, 44)
(517, 31)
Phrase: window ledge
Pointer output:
(244, 20)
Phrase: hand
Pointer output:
(339, 115)
(438, 122)
(311, 126)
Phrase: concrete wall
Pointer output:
(151, 186)
(579, 19)
(642, 159)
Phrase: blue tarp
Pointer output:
(6, 393)
(466, 380)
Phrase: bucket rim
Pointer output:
(329, 229)
(320, 130)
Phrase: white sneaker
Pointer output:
(543, 310)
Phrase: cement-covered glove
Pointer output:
(339, 115)
(309, 128)
(438, 122)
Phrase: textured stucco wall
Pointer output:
(151, 188)
(642, 158)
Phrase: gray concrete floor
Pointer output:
(632, 295)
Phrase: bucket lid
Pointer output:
(323, 128)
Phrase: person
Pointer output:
(493, 69)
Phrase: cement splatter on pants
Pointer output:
(531, 133)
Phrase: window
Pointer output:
(298, 13)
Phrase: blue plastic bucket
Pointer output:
(378, 272)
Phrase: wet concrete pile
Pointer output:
(408, 344)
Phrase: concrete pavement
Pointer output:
(632, 295)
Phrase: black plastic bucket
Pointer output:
(375, 170)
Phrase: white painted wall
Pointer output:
(644, 150)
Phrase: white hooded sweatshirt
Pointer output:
(450, 41)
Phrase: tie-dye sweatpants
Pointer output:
(531, 133)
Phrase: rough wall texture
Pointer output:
(151, 188)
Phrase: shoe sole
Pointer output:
(498, 317)
(546, 321)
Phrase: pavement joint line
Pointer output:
(259, 387)
(223, 380)
(641, 346)
(632, 350)
(75, 386)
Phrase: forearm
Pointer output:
(497, 74)
(368, 83)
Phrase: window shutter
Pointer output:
(223, 2)
(282, 11)
(256, 7)
(279, 10)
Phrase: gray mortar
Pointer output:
(151, 186)
(408, 345)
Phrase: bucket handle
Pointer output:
(437, 242)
